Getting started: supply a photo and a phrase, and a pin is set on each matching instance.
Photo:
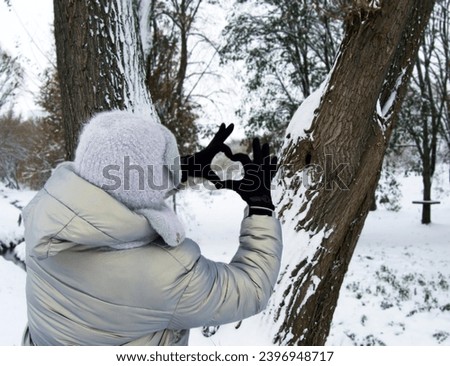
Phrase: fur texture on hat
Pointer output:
(136, 160)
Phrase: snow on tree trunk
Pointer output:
(100, 61)
(331, 160)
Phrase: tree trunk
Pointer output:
(426, 178)
(100, 62)
(426, 167)
(342, 151)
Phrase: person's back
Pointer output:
(112, 267)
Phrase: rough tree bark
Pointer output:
(99, 60)
(341, 152)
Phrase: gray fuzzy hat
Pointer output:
(135, 160)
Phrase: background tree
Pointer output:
(171, 26)
(287, 47)
(443, 56)
(15, 143)
(423, 117)
(339, 138)
(11, 75)
(100, 62)
(46, 148)
(31, 148)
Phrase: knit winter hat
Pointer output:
(135, 160)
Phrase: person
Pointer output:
(107, 259)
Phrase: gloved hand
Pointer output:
(199, 164)
(254, 187)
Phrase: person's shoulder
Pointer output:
(186, 254)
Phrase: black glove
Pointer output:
(254, 187)
(199, 164)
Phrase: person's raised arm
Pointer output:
(219, 293)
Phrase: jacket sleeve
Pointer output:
(220, 293)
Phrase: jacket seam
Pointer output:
(184, 291)
(177, 260)
(49, 242)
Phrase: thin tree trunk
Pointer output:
(426, 178)
(99, 60)
(345, 142)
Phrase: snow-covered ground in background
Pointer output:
(11, 201)
(12, 303)
(396, 291)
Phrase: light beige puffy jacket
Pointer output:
(81, 292)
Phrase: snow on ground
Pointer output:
(12, 277)
(10, 203)
(13, 311)
(396, 291)
(10, 232)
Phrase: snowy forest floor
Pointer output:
(396, 291)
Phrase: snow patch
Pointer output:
(10, 230)
(384, 112)
(303, 117)
(13, 312)
(144, 26)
